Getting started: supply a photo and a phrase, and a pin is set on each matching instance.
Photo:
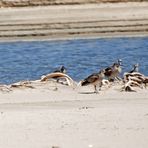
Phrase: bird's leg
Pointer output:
(118, 78)
(58, 80)
(111, 80)
(101, 84)
(96, 91)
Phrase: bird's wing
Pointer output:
(108, 71)
(92, 78)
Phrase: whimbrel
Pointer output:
(94, 79)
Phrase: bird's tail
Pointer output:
(84, 82)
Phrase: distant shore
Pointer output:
(33, 3)
(129, 19)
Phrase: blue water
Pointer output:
(30, 60)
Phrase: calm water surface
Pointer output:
(30, 60)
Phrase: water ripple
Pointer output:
(30, 60)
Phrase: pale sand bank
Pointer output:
(43, 117)
(74, 21)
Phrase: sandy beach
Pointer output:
(49, 114)
(52, 115)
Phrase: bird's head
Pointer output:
(102, 72)
(63, 69)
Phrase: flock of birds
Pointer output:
(107, 76)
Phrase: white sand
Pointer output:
(73, 118)
(74, 21)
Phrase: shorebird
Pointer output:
(94, 79)
(112, 72)
(62, 69)
(135, 68)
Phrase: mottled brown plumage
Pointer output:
(94, 79)
(112, 72)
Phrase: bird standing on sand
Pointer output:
(112, 72)
(94, 79)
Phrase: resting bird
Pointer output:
(94, 79)
(62, 69)
(135, 68)
(112, 72)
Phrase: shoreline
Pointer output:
(76, 38)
